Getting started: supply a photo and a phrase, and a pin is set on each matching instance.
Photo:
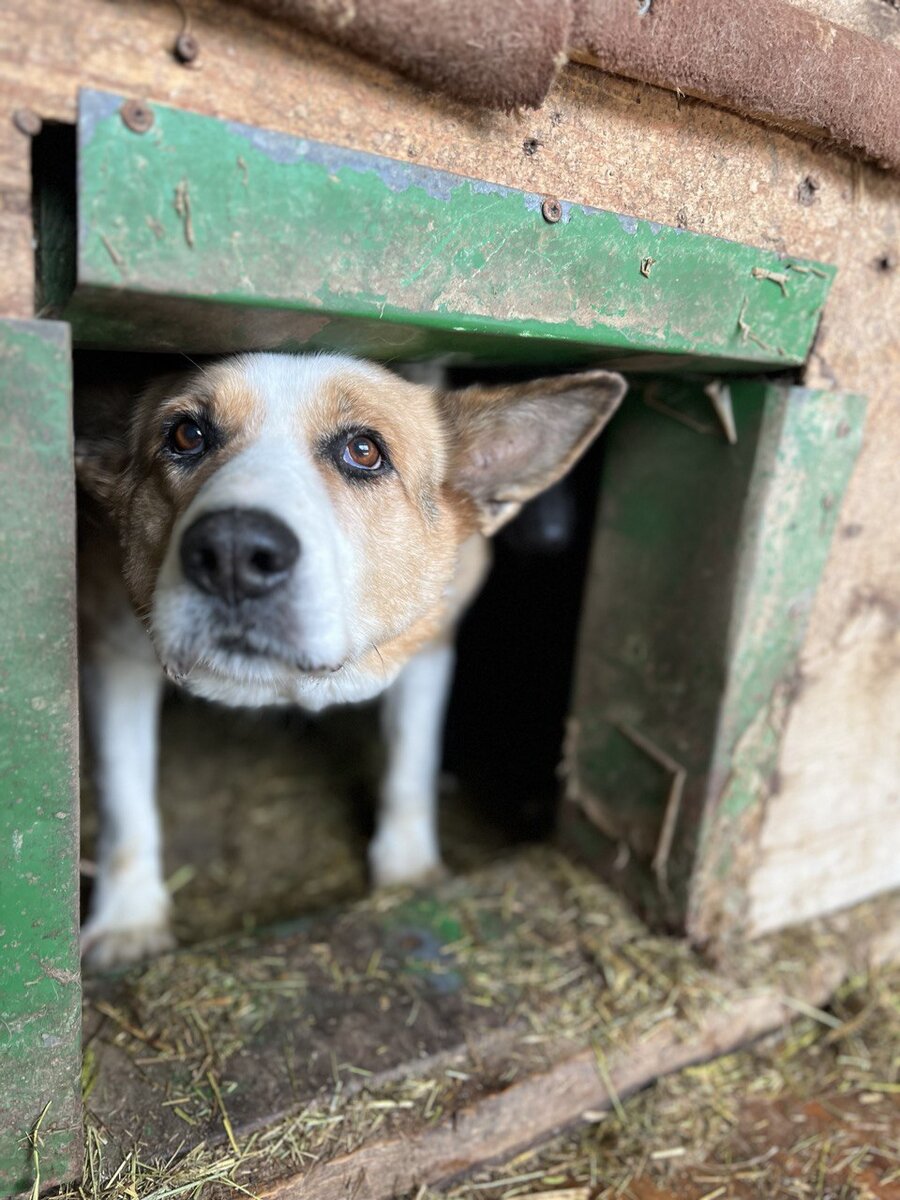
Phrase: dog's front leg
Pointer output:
(405, 847)
(129, 913)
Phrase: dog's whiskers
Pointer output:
(203, 371)
(381, 660)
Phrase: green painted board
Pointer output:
(206, 235)
(706, 562)
(40, 993)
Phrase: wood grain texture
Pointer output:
(500, 1124)
(388, 260)
(705, 560)
(16, 251)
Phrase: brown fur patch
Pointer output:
(406, 540)
(415, 529)
(153, 490)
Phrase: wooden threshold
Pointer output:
(414, 1038)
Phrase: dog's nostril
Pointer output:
(265, 561)
(238, 554)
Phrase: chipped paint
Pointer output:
(707, 557)
(40, 1001)
(398, 258)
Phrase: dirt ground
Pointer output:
(266, 819)
(267, 815)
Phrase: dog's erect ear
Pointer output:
(98, 467)
(510, 443)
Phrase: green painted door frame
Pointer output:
(205, 235)
(706, 562)
(40, 992)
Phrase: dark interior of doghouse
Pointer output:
(267, 813)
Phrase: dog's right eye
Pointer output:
(186, 438)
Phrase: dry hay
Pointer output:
(551, 957)
(811, 1112)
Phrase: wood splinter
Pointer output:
(660, 863)
(720, 398)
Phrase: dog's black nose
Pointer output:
(238, 553)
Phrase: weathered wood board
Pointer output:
(706, 562)
(414, 1037)
(219, 236)
(40, 1046)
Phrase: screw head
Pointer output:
(551, 210)
(186, 47)
(27, 121)
(137, 115)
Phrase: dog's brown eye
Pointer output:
(363, 451)
(186, 437)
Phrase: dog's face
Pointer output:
(291, 525)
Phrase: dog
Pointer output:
(284, 529)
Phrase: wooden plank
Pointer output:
(828, 835)
(502, 1124)
(807, 453)
(706, 561)
(40, 999)
(222, 236)
(415, 1036)
(16, 232)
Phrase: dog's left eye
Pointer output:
(187, 438)
(363, 453)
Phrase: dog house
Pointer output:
(211, 180)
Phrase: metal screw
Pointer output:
(551, 210)
(137, 115)
(27, 121)
(186, 47)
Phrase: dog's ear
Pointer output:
(99, 466)
(106, 415)
(510, 443)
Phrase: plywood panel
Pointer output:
(829, 834)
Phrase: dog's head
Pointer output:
(291, 525)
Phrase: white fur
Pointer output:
(274, 473)
(311, 651)
(130, 908)
(405, 846)
(129, 916)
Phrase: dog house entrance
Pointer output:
(414, 1034)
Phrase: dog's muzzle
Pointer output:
(238, 554)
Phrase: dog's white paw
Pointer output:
(404, 852)
(129, 919)
(103, 948)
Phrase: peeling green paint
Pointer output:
(40, 995)
(808, 446)
(706, 563)
(313, 245)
